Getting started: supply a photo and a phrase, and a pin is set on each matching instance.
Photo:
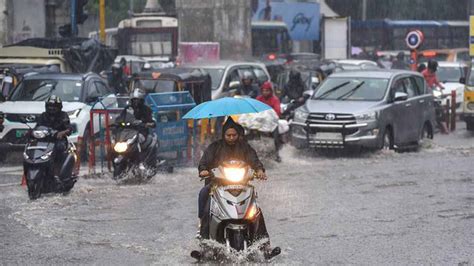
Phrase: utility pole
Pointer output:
(74, 18)
(102, 21)
(364, 10)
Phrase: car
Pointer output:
(453, 75)
(450, 55)
(226, 75)
(77, 91)
(390, 109)
(355, 64)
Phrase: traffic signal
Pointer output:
(81, 14)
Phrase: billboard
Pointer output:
(302, 19)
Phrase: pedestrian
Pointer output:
(271, 100)
(430, 75)
(400, 63)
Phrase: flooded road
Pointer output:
(370, 208)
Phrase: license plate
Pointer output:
(20, 133)
(328, 136)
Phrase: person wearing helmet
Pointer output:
(55, 118)
(247, 86)
(141, 111)
(430, 75)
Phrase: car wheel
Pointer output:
(387, 140)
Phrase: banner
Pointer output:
(302, 19)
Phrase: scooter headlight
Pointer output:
(46, 155)
(121, 147)
(39, 134)
(234, 175)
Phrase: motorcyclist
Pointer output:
(232, 146)
(58, 120)
(143, 115)
(247, 86)
(271, 100)
(399, 62)
(430, 75)
(295, 88)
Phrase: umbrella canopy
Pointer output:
(225, 107)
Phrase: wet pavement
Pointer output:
(367, 208)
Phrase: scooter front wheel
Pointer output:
(34, 188)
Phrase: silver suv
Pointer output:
(375, 109)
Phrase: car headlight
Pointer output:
(234, 175)
(39, 134)
(74, 114)
(121, 147)
(46, 155)
(366, 116)
(301, 115)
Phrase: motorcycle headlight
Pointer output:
(39, 134)
(74, 114)
(46, 155)
(301, 115)
(366, 116)
(121, 147)
(234, 175)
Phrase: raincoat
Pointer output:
(271, 100)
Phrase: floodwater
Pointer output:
(367, 208)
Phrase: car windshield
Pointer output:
(216, 76)
(42, 89)
(352, 89)
(449, 74)
(155, 85)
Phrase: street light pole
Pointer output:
(364, 10)
(102, 21)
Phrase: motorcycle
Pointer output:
(132, 149)
(235, 218)
(41, 165)
(440, 102)
(288, 107)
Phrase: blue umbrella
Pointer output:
(226, 106)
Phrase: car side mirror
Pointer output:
(400, 97)
(462, 80)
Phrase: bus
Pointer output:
(270, 38)
(390, 34)
(146, 35)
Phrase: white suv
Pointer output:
(77, 91)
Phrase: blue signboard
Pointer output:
(302, 19)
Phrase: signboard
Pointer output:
(414, 39)
(198, 52)
(302, 19)
(336, 46)
(471, 36)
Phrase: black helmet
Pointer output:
(137, 97)
(53, 105)
(433, 65)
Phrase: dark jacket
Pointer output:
(295, 87)
(144, 113)
(219, 151)
(251, 90)
(58, 122)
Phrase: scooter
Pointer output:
(40, 165)
(235, 219)
(440, 101)
(132, 149)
